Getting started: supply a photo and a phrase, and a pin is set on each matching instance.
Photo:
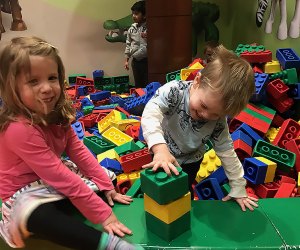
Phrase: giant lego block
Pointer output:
(255, 170)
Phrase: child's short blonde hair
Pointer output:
(14, 59)
(230, 76)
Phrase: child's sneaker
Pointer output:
(112, 242)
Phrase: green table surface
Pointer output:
(214, 225)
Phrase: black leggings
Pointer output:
(140, 72)
(54, 222)
(191, 169)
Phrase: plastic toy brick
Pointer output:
(123, 186)
(281, 105)
(240, 135)
(88, 120)
(78, 115)
(111, 154)
(196, 63)
(267, 190)
(289, 130)
(135, 190)
(250, 132)
(170, 211)
(294, 91)
(134, 161)
(86, 102)
(151, 88)
(121, 79)
(247, 47)
(209, 189)
(272, 67)
(116, 100)
(72, 78)
(256, 69)
(114, 115)
(98, 96)
(84, 81)
(286, 179)
(298, 183)
(225, 189)
(257, 57)
(294, 146)
(126, 148)
(220, 175)
(254, 170)
(141, 136)
(277, 121)
(285, 159)
(100, 103)
(116, 136)
(97, 145)
(133, 176)
(98, 73)
(78, 130)
(184, 73)
(168, 232)
(87, 110)
(277, 89)
(139, 92)
(133, 131)
(173, 76)
(242, 149)
(118, 108)
(120, 88)
(251, 192)
(140, 144)
(261, 81)
(126, 123)
(112, 165)
(208, 165)
(285, 190)
(288, 76)
(82, 90)
(288, 58)
(163, 188)
(272, 166)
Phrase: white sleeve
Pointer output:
(234, 172)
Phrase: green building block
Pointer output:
(175, 75)
(140, 144)
(120, 79)
(163, 188)
(72, 78)
(135, 190)
(126, 148)
(109, 87)
(247, 47)
(285, 159)
(106, 81)
(208, 145)
(288, 76)
(170, 231)
(226, 188)
(97, 145)
(122, 88)
(87, 110)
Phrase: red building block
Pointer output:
(277, 121)
(135, 161)
(285, 190)
(133, 131)
(123, 186)
(289, 130)
(257, 56)
(267, 190)
(242, 149)
(281, 105)
(84, 81)
(88, 120)
(277, 89)
(294, 146)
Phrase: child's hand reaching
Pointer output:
(113, 226)
(163, 159)
(244, 202)
(112, 196)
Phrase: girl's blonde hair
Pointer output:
(14, 59)
(230, 76)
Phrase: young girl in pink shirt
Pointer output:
(36, 186)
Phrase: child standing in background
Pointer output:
(36, 187)
(182, 116)
(136, 45)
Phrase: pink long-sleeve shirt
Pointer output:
(31, 152)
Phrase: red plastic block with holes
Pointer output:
(71, 91)
(267, 190)
(77, 106)
(123, 186)
(286, 179)
(294, 146)
(88, 120)
(285, 190)
(277, 121)
(242, 149)
(251, 192)
(139, 92)
(84, 81)
(257, 56)
(100, 103)
(257, 70)
(289, 130)
(277, 89)
(122, 110)
(282, 105)
(135, 161)
(133, 131)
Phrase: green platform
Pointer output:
(215, 225)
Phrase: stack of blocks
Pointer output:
(167, 202)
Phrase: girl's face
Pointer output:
(40, 89)
(204, 103)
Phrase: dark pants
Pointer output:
(191, 169)
(140, 72)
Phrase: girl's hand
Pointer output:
(113, 226)
(163, 159)
(112, 196)
(244, 202)
(126, 65)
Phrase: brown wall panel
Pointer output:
(168, 7)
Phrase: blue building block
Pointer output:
(101, 95)
(261, 81)
(86, 102)
(112, 165)
(220, 175)
(78, 130)
(240, 135)
(294, 91)
(82, 90)
(117, 100)
(141, 136)
(78, 115)
(151, 88)
(288, 58)
(98, 73)
(94, 130)
(209, 189)
(255, 170)
(250, 132)
(111, 106)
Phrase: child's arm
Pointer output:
(141, 53)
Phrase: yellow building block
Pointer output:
(131, 176)
(271, 134)
(104, 124)
(126, 123)
(208, 165)
(168, 212)
(184, 73)
(111, 154)
(116, 136)
(298, 182)
(196, 65)
(272, 67)
(270, 170)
